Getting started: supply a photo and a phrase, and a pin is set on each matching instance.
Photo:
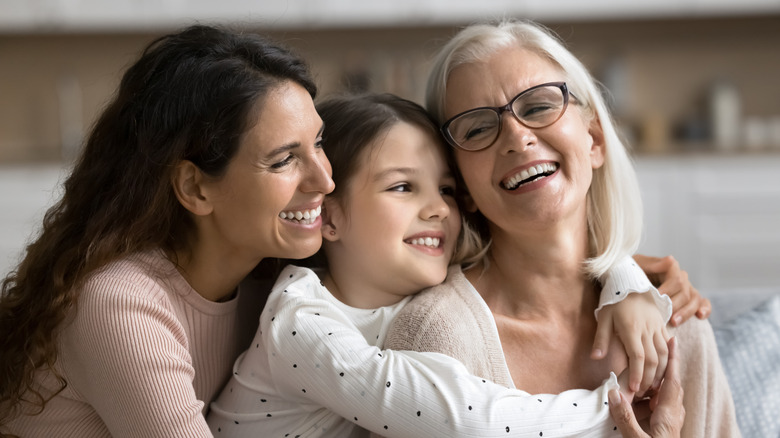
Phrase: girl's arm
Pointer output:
(128, 358)
(626, 278)
(316, 357)
(638, 319)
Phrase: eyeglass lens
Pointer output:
(535, 108)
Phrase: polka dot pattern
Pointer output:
(311, 362)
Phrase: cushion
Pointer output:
(749, 348)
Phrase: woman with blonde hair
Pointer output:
(556, 203)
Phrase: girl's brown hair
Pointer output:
(352, 125)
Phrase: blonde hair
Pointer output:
(614, 202)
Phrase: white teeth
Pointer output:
(304, 217)
(431, 242)
(532, 171)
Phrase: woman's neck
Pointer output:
(213, 274)
(536, 274)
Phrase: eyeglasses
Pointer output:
(536, 107)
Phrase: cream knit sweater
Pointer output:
(453, 319)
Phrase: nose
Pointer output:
(318, 175)
(436, 208)
(514, 136)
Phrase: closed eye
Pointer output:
(447, 190)
(286, 161)
(479, 130)
(401, 187)
(474, 132)
(535, 110)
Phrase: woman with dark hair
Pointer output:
(124, 317)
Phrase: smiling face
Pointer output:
(396, 228)
(529, 178)
(267, 203)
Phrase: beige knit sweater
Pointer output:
(453, 319)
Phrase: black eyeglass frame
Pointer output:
(499, 110)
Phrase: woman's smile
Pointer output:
(530, 174)
(303, 217)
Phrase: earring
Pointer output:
(332, 233)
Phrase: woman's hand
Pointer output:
(667, 413)
(666, 275)
(638, 324)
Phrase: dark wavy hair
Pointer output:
(190, 96)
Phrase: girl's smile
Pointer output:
(429, 243)
(394, 231)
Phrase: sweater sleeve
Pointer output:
(625, 278)
(317, 357)
(129, 359)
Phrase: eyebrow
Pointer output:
(405, 171)
(392, 170)
(293, 145)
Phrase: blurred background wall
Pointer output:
(694, 84)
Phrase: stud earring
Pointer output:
(332, 233)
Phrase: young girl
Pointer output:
(390, 229)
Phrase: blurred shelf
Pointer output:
(30, 16)
(717, 214)
(703, 150)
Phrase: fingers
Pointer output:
(662, 352)
(668, 413)
(643, 334)
(655, 361)
(635, 350)
(705, 308)
(685, 306)
(651, 362)
(673, 365)
(696, 305)
(674, 279)
(667, 394)
(603, 336)
(668, 410)
(686, 300)
(623, 415)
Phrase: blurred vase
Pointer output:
(725, 115)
